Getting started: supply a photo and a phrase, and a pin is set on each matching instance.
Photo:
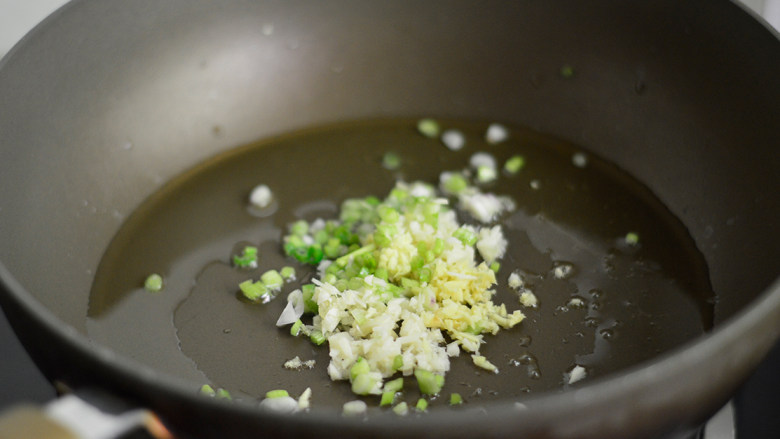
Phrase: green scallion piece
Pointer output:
(387, 398)
(317, 337)
(429, 382)
(514, 164)
(254, 291)
(299, 228)
(398, 362)
(296, 328)
(466, 236)
(287, 273)
(207, 390)
(456, 399)
(455, 184)
(391, 161)
(272, 280)
(401, 409)
(363, 384)
(276, 394)
(428, 128)
(394, 385)
(632, 238)
(153, 283)
(422, 405)
(359, 368)
(247, 258)
(309, 305)
(495, 266)
(223, 394)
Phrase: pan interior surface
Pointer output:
(619, 305)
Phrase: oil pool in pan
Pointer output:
(571, 208)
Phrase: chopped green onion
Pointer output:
(456, 399)
(272, 279)
(247, 258)
(359, 368)
(632, 238)
(394, 385)
(455, 184)
(207, 390)
(422, 405)
(391, 161)
(363, 384)
(254, 291)
(486, 174)
(387, 398)
(401, 409)
(514, 164)
(153, 283)
(429, 382)
(309, 305)
(299, 228)
(223, 394)
(398, 362)
(296, 328)
(287, 273)
(466, 236)
(276, 394)
(428, 128)
(495, 266)
(342, 261)
(317, 337)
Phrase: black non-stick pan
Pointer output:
(107, 104)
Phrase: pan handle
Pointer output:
(72, 417)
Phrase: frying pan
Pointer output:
(107, 100)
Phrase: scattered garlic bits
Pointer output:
(396, 276)
(261, 196)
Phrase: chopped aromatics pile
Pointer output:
(396, 276)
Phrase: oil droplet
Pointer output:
(534, 373)
(524, 341)
(607, 334)
(592, 322)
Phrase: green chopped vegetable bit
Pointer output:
(359, 368)
(394, 385)
(272, 280)
(422, 405)
(317, 337)
(514, 164)
(456, 399)
(287, 273)
(398, 362)
(299, 228)
(391, 161)
(254, 291)
(247, 258)
(276, 394)
(207, 390)
(296, 328)
(387, 398)
(455, 184)
(567, 71)
(223, 394)
(632, 238)
(363, 384)
(486, 174)
(428, 128)
(342, 261)
(429, 382)
(466, 236)
(495, 266)
(309, 305)
(401, 409)
(153, 283)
